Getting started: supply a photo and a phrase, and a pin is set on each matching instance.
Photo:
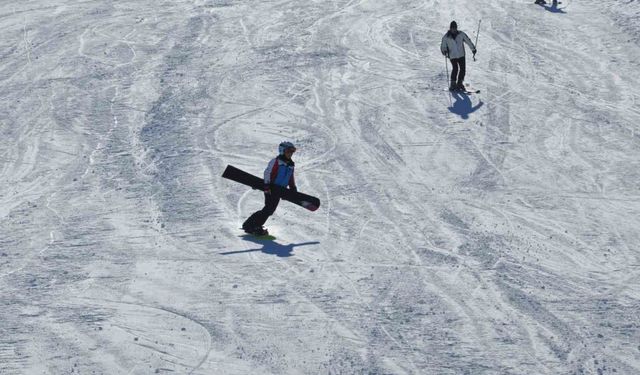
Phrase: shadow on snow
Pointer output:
(270, 247)
(462, 105)
(553, 8)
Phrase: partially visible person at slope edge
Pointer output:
(453, 47)
(277, 176)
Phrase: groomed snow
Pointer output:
(494, 234)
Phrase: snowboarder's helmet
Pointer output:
(453, 25)
(286, 146)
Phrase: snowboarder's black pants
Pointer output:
(459, 70)
(258, 218)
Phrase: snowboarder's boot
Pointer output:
(256, 231)
(260, 231)
(460, 87)
(453, 86)
(247, 228)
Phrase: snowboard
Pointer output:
(309, 202)
(266, 237)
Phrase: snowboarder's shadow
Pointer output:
(553, 8)
(462, 105)
(270, 247)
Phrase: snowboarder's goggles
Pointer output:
(290, 149)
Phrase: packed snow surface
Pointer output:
(496, 233)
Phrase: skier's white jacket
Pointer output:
(280, 172)
(453, 46)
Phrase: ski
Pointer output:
(543, 2)
(468, 92)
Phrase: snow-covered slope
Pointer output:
(494, 234)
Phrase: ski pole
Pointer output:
(446, 67)
(446, 79)
(477, 35)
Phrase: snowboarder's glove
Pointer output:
(474, 51)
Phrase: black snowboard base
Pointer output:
(309, 202)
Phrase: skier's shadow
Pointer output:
(462, 105)
(270, 247)
(553, 8)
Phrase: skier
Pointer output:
(551, 8)
(277, 176)
(453, 47)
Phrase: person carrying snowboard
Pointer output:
(277, 176)
(453, 47)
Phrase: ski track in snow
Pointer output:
(491, 235)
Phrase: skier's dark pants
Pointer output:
(458, 65)
(258, 218)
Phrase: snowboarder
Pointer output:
(277, 176)
(453, 47)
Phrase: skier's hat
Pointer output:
(453, 25)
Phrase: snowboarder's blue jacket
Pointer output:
(279, 172)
